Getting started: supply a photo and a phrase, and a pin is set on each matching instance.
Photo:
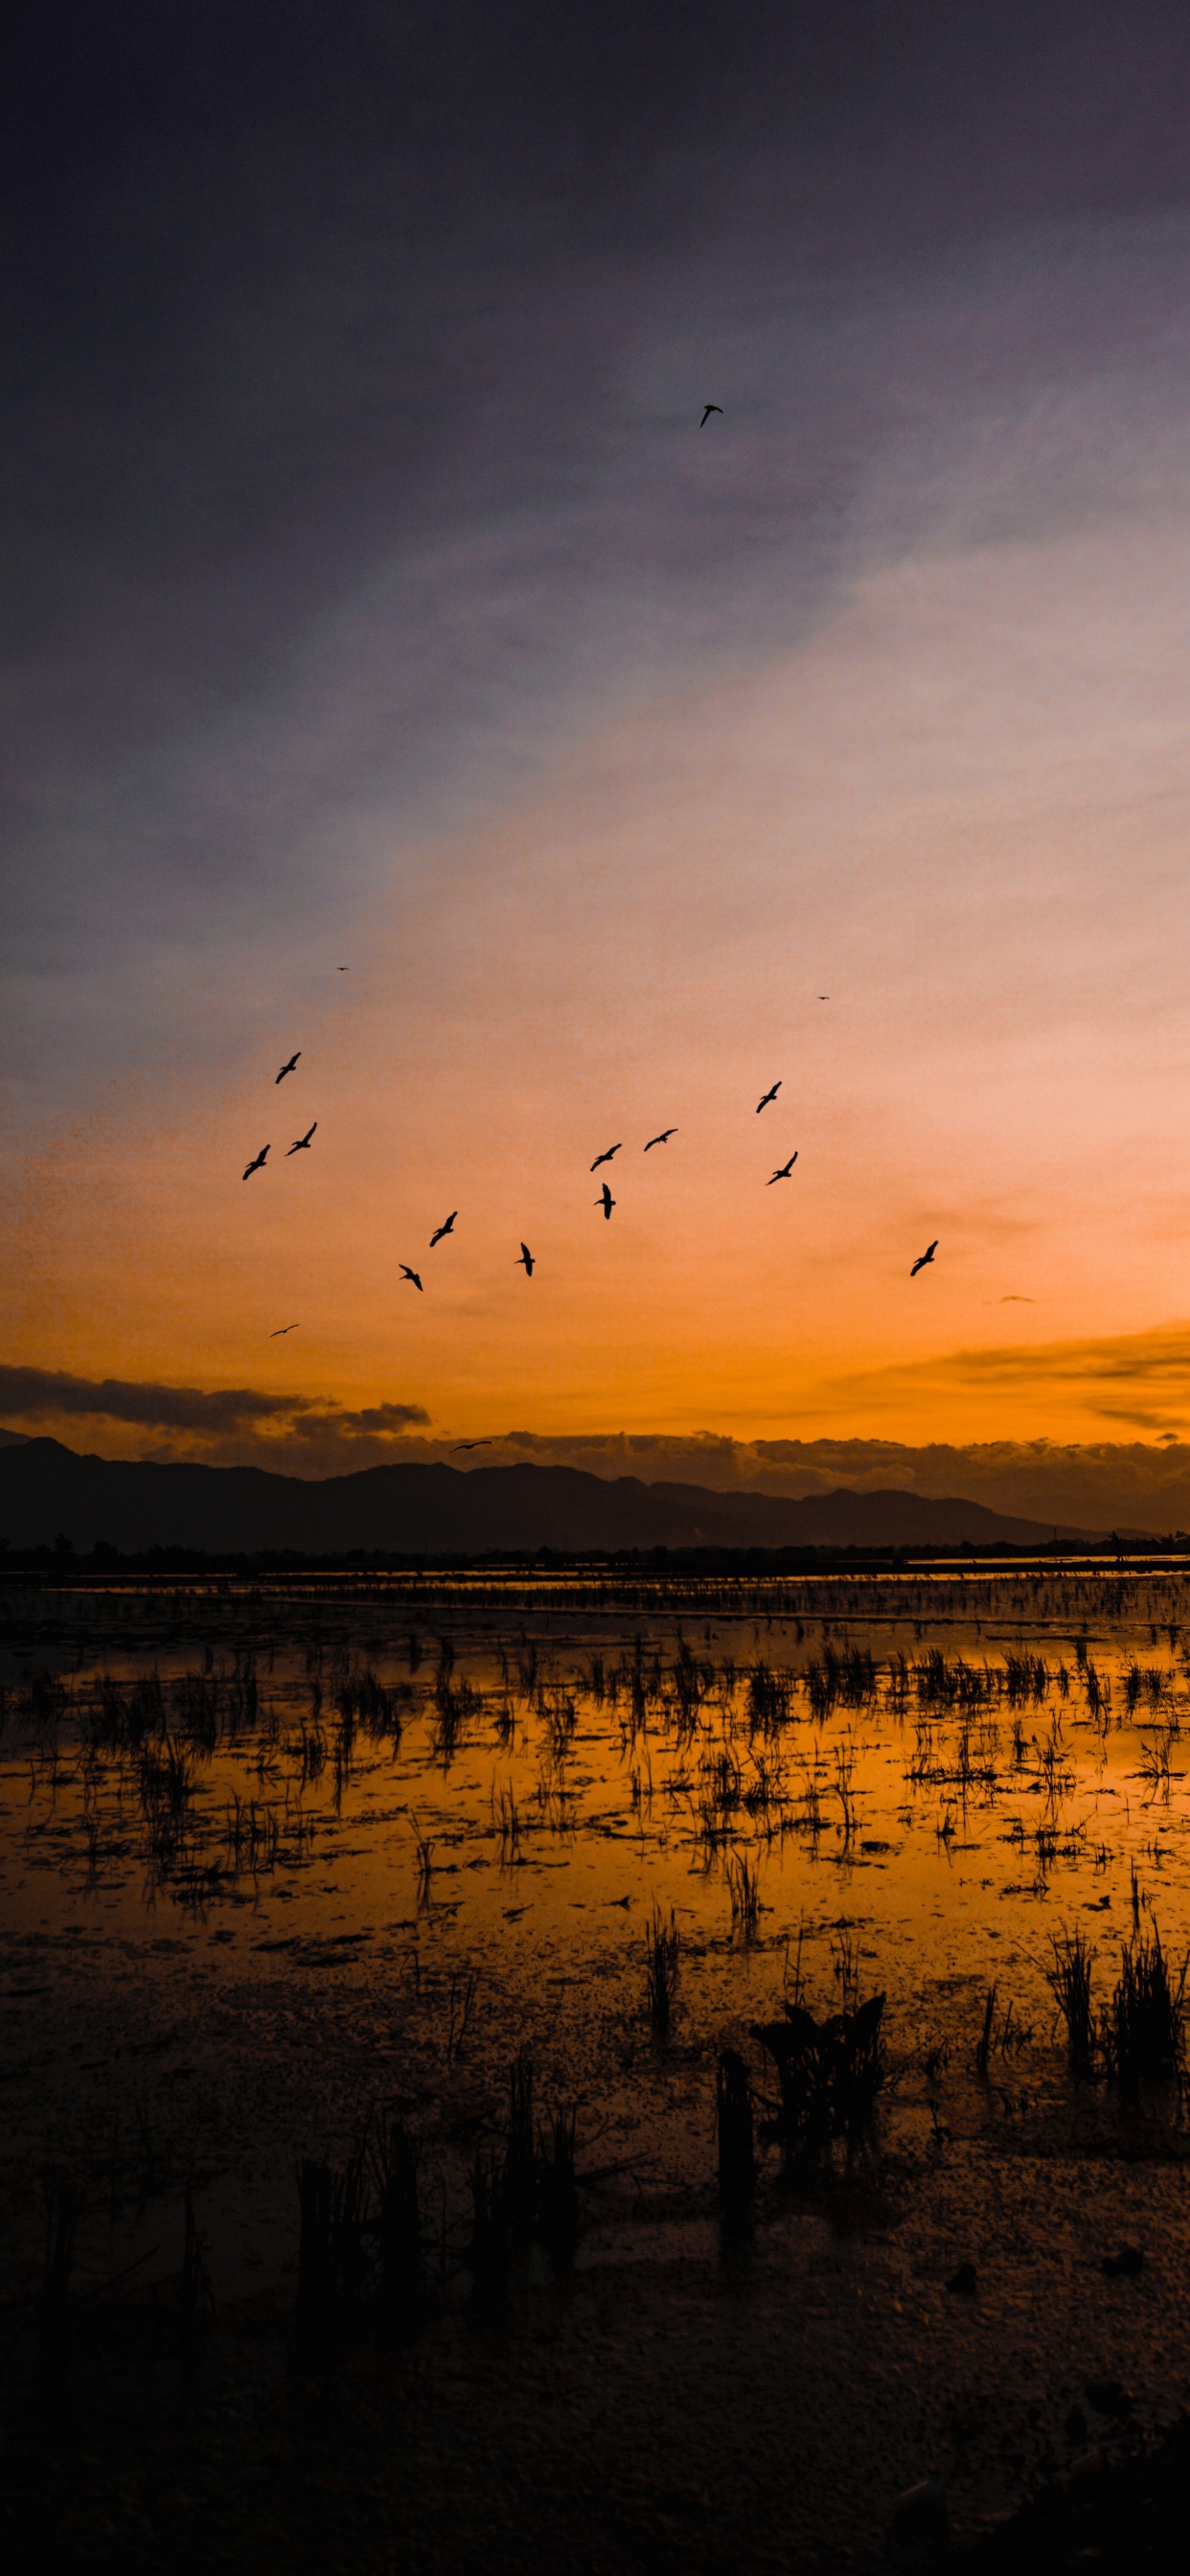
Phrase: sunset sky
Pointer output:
(376, 600)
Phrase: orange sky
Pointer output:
(959, 809)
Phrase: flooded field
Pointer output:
(321, 1875)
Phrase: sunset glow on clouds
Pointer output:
(403, 618)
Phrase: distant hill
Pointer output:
(45, 1488)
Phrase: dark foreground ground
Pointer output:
(685, 2407)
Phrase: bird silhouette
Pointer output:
(524, 1256)
(605, 1158)
(407, 1273)
(288, 1068)
(769, 1095)
(303, 1143)
(472, 1444)
(448, 1228)
(707, 409)
(784, 1172)
(927, 1255)
(255, 1167)
(282, 1329)
(605, 1200)
(662, 1139)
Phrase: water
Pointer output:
(490, 1789)
(275, 1859)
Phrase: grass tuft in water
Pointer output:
(830, 2074)
(743, 1888)
(1069, 1982)
(663, 1947)
(1143, 2032)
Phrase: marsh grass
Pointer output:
(663, 1945)
(1143, 2031)
(743, 1888)
(830, 2073)
(1069, 1981)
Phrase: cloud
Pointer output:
(53, 1395)
(1155, 1359)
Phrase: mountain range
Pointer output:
(47, 1489)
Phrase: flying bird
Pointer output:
(448, 1228)
(255, 1167)
(662, 1139)
(303, 1143)
(784, 1172)
(605, 1158)
(707, 409)
(927, 1255)
(472, 1444)
(282, 1329)
(524, 1256)
(288, 1068)
(407, 1273)
(342, 970)
(769, 1095)
(605, 1200)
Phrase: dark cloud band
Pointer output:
(51, 1394)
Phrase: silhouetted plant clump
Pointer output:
(830, 2074)
(1143, 2034)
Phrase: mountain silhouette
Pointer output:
(46, 1488)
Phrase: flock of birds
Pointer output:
(525, 1259)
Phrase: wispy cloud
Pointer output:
(1156, 1359)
